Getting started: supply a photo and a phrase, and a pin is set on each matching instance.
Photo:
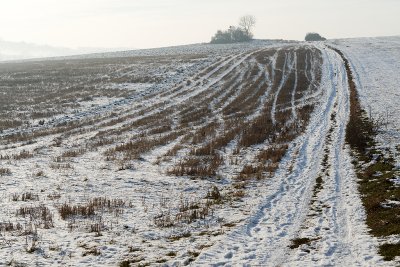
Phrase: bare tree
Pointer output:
(236, 34)
(247, 23)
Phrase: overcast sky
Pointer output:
(155, 23)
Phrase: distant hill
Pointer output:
(22, 50)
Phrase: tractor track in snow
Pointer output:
(340, 232)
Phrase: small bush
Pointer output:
(232, 35)
(313, 36)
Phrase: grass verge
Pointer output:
(374, 170)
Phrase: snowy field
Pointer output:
(197, 155)
(376, 66)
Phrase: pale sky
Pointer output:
(156, 23)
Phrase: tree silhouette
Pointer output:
(247, 23)
(313, 36)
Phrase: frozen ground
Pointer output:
(181, 145)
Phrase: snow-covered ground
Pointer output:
(148, 215)
(376, 67)
(46, 179)
(330, 215)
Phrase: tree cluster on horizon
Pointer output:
(313, 36)
(242, 33)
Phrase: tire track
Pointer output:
(334, 229)
(267, 232)
(266, 236)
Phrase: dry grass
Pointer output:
(134, 149)
(23, 155)
(204, 158)
(257, 131)
(5, 171)
(39, 215)
(10, 227)
(73, 153)
(7, 124)
(204, 167)
(61, 166)
(27, 196)
(90, 208)
(268, 163)
(189, 212)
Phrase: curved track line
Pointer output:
(265, 237)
